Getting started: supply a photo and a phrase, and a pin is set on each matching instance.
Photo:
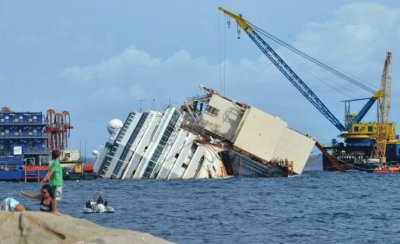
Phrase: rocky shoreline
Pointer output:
(40, 227)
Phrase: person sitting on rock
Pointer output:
(45, 198)
(11, 205)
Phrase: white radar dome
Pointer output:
(114, 125)
(95, 152)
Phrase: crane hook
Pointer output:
(238, 32)
(228, 22)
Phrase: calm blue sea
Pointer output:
(316, 207)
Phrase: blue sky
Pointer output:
(97, 59)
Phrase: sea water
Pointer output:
(316, 207)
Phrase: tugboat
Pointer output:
(80, 171)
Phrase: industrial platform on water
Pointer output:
(26, 141)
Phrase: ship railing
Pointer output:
(22, 122)
(23, 135)
(37, 151)
(199, 98)
(11, 163)
(6, 153)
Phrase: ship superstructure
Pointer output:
(249, 131)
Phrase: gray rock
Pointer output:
(40, 227)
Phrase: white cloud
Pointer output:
(178, 58)
(362, 29)
(109, 68)
(138, 74)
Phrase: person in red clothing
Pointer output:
(55, 176)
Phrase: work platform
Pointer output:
(34, 173)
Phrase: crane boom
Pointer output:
(384, 108)
(285, 69)
(386, 88)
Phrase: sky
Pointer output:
(100, 60)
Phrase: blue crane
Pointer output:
(363, 111)
(294, 78)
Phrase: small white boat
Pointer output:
(98, 206)
(94, 207)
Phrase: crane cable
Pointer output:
(222, 58)
(308, 57)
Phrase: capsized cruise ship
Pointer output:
(209, 136)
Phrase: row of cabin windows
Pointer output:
(19, 132)
(29, 146)
(18, 118)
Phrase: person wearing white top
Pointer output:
(11, 205)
